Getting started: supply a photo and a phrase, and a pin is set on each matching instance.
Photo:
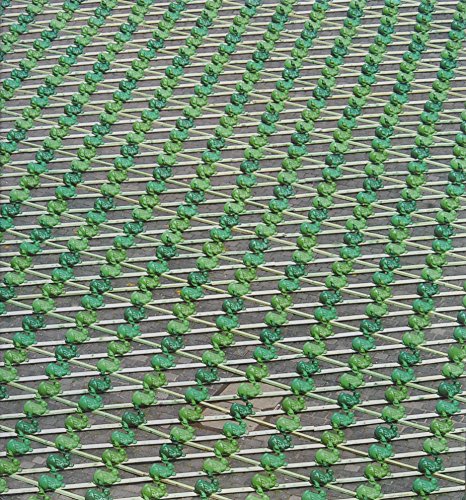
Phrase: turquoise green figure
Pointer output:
(194, 396)
(50, 482)
(95, 494)
(58, 461)
(99, 385)
(347, 400)
(18, 447)
(239, 411)
(160, 362)
(307, 368)
(386, 434)
(425, 487)
(57, 370)
(449, 390)
(26, 427)
(407, 358)
(206, 489)
(122, 439)
(132, 419)
(319, 477)
(447, 408)
(161, 471)
(24, 339)
(279, 443)
(90, 403)
(402, 377)
(264, 354)
(170, 452)
(301, 386)
(206, 376)
(312, 495)
(363, 344)
(233, 430)
(429, 467)
(380, 453)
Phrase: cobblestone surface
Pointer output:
(163, 415)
